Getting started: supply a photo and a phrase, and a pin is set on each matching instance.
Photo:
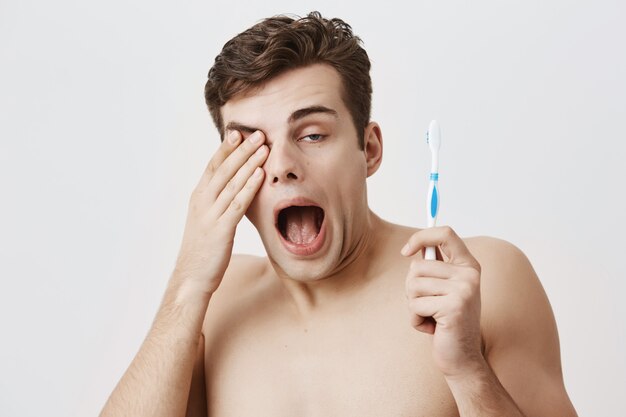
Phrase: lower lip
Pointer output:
(309, 248)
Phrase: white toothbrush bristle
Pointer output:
(433, 136)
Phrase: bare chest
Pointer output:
(365, 362)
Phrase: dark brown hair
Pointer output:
(281, 43)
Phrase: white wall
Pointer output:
(104, 133)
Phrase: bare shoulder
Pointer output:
(510, 288)
(242, 280)
(242, 275)
(243, 271)
(519, 329)
(505, 270)
(492, 250)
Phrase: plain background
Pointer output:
(104, 134)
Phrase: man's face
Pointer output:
(312, 207)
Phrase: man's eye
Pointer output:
(316, 137)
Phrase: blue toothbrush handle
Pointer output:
(433, 210)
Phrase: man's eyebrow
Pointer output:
(300, 113)
(240, 127)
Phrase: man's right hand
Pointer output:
(217, 204)
(157, 382)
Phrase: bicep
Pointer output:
(521, 338)
(197, 401)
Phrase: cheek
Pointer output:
(348, 182)
(350, 170)
(255, 211)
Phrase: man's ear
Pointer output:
(373, 147)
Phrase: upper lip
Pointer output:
(295, 201)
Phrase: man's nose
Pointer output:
(282, 164)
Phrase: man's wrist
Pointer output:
(186, 294)
(186, 289)
(473, 371)
(182, 312)
(185, 303)
(479, 392)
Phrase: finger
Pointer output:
(235, 185)
(227, 170)
(422, 311)
(448, 242)
(240, 203)
(427, 306)
(424, 268)
(423, 324)
(229, 144)
(422, 286)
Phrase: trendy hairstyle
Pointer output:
(281, 43)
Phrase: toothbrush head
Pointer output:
(433, 136)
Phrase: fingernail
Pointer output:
(258, 171)
(255, 137)
(260, 150)
(405, 250)
(233, 137)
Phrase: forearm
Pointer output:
(157, 381)
(482, 395)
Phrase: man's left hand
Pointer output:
(444, 299)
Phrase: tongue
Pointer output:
(301, 225)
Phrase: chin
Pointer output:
(304, 270)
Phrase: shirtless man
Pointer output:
(344, 317)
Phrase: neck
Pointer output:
(357, 269)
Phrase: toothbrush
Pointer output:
(433, 138)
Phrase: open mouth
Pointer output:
(300, 225)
